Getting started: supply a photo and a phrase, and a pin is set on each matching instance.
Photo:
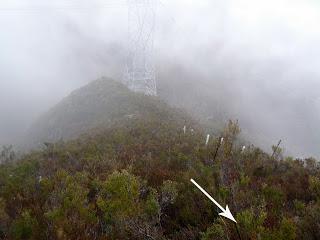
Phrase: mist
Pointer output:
(256, 61)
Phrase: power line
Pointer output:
(36, 8)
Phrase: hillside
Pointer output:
(99, 104)
(132, 181)
(127, 176)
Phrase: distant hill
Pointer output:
(99, 104)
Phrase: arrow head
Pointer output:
(227, 214)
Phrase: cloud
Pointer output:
(257, 60)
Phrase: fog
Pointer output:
(256, 61)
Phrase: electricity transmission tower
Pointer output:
(140, 70)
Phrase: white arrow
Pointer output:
(225, 212)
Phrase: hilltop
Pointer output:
(101, 103)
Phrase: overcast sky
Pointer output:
(265, 53)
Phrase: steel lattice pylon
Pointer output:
(140, 70)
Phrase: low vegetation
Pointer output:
(131, 180)
(128, 177)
